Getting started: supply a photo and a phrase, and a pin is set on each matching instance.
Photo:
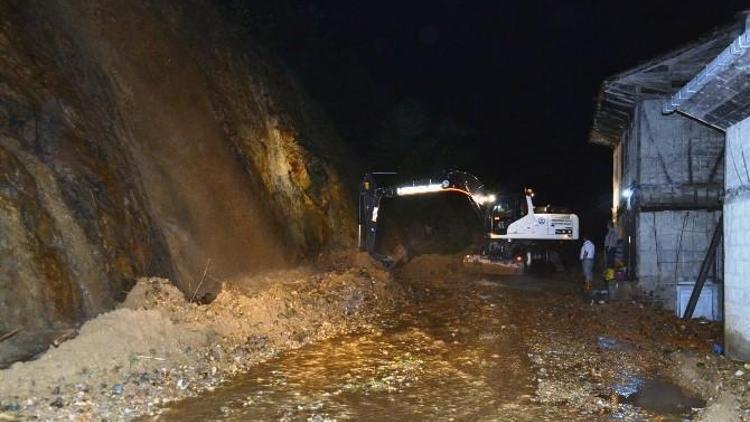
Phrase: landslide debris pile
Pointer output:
(158, 346)
(144, 138)
(427, 224)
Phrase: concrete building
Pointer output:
(679, 127)
(668, 169)
(719, 96)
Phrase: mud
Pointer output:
(722, 382)
(443, 356)
(473, 348)
(346, 342)
(430, 224)
(661, 396)
(158, 346)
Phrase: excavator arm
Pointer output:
(371, 193)
(532, 227)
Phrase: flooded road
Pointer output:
(470, 348)
(444, 357)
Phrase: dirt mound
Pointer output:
(721, 381)
(346, 259)
(106, 349)
(159, 346)
(153, 293)
(430, 267)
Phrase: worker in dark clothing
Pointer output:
(610, 245)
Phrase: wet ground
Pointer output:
(440, 358)
(466, 348)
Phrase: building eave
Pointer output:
(719, 95)
(660, 78)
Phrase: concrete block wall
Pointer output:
(677, 165)
(737, 242)
(628, 157)
(680, 159)
(617, 175)
(671, 246)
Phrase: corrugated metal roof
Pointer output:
(720, 94)
(661, 77)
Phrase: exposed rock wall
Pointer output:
(144, 138)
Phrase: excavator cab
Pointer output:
(503, 212)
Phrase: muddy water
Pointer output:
(458, 352)
(443, 358)
(662, 397)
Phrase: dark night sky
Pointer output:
(514, 82)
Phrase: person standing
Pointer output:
(610, 245)
(588, 252)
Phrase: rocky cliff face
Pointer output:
(146, 138)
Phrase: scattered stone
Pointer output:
(10, 407)
(248, 326)
(7, 417)
(572, 372)
(606, 342)
(117, 389)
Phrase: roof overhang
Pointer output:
(720, 94)
(660, 78)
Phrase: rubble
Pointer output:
(588, 359)
(714, 377)
(437, 342)
(158, 347)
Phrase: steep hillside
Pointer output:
(143, 138)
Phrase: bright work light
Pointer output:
(414, 190)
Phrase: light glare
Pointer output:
(484, 199)
(414, 190)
